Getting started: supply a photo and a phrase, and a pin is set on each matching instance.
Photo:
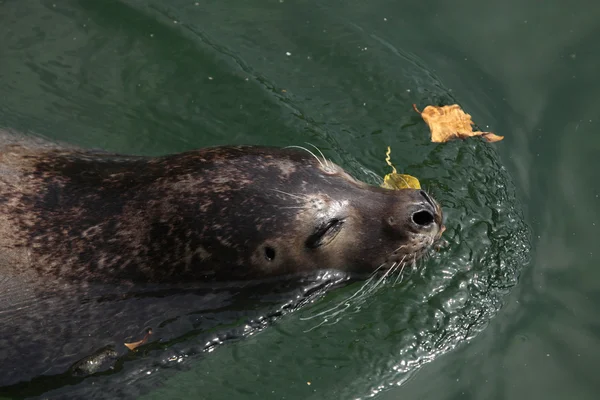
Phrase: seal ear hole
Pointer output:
(269, 253)
(422, 218)
(391, 220)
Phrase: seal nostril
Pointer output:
(269, 253)
(423, 218)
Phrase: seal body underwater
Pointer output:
(234, 212)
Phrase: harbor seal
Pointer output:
(218, 213)
(95, 247)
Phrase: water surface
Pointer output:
(505, 310)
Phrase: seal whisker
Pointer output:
(344, 302)
(331, 312)
(397, 266)
(400, 275)
(399, 248)
(367, 288)
(394, 265)
(301, 197)
(422, 267)
(311, 153)
(322, 155)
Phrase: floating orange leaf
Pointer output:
(451, 122)
(395, 180)
(135, 345)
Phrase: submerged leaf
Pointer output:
(395, 180)
(135, 345)
(451, 122)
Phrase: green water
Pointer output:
(505, 310)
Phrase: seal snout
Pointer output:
(419, 214)
(415, 222)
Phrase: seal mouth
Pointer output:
(407, 254)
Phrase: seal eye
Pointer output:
(324, 233)
(269, 253)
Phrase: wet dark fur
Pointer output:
(138, 218)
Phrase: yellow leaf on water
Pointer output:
(400, 181)
(451, 122)
(394, 180)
